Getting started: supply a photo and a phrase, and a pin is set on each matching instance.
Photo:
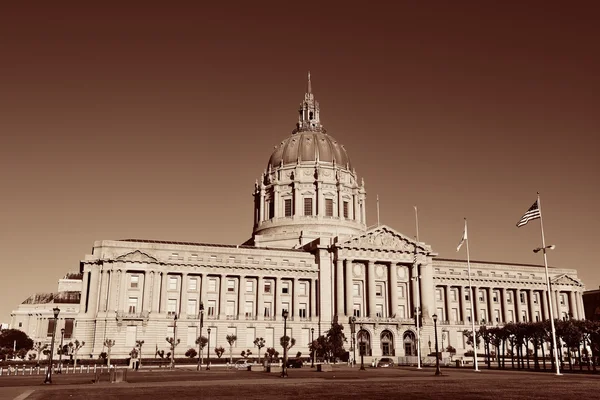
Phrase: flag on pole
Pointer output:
(532, 213)
(464, 237)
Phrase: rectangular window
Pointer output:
(287, 205)
(308, 208)
(191, 307)
(249, 309)
(497, 315)
(511, 316)
(130, 336)
(537, 316)
(509, 297)
(522, 297)
(481, 296)
(271, 209)
(438, 294)
(356, 290)
(172, 283)
(133, 302)
(285, 287)
(212, 285)
(440, 313)
(193, 284)
(328, 207)
(172, 306)
(378, 290)
(467, 293)
(346, 210)
(401, 291)
(285, 306)
(453, 294)
(535, 298)
(468, 314)
(191, 336)
(495, 296)
(230, 309)
(302, 310)
(562, 299)
(357, 310)
(268, 310)
(249, 286)
(303, 288)
(211, 308)
(230, 285)
(402, 312)
(483, 315)
(269, 337)
(454, 314)
(134, 281)
(379, 310)
(267, 287)
(250, 336)
(524, 316)
(69, 323)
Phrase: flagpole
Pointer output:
(471, 294)
(418, 299)
(377, 210)
(548, 286)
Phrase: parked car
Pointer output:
(242, 364)
(294, 363)
(385, 362)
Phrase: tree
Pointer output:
(219, 351)
(231, 340)
(271, 354)
(260, 343)
(172, 345)
(191, 353)
(15, 339)
(74, 348)
(246, 353)
(201, 341)
(336, 339)
(138, 345)
(109, 343)
(39, 347)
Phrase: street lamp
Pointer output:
(62, 337)
(48, 379)
(437, 358)
(200, 358)
(173, 345)
(352, 321)
(284, 314)
(550, 247)
(312, 340)
(362, 352)
(208, 351)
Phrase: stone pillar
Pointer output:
(313, 298)
(416, 293)
(296, 300)
(572, 308)
(371, 288)
(163, 293)
(580, 305)
(462, 303)
(355, 209)
(427, 290)
(446, 316)
(544, 301)
(362, 210)
(325, 286)
(504, 311)
(240, 299)
(84, 285)
(124, 289)
(183, 295)
(557, 302)
(156, 295)
(518, 317)
(320, 200)
(297, 199)
(262, 204)
(340, 201)
(222, 296)
(260, 305)
(277, 303)
(529, 305)
(146, 299)
(393, 280)
(490, 305)
(339, 287)
(349, 288)
(277, 202)
(93, 293)
(475, 311)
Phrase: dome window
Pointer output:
(310, 115)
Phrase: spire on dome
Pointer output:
(309, 120)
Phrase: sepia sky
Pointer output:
(154, 121)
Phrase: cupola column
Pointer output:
(262, 204)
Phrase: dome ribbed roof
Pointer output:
(305, 146)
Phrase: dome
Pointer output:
(307, 146)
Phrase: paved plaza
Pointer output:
(342, 383)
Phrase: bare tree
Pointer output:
(260, 343)
(231, 340)
(74, 348)
(109, 343)
(138, 345)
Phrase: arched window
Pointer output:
(409, 344)
(364, 342)
(387, 343)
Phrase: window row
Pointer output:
(288, 208)
(230, 308)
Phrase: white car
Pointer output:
(242, 364)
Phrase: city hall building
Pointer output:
(310, 253)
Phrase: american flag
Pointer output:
(532, 213)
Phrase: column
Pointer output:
(462, 303)
(84, 286)
(297, 199)
(146, 300)
(349, 288)
(446, 316)
(156, 293)
(557, 302)
(204, 289)
(296, 300)
(277, 203)
(355, 215)
(260, 305)
(313, 299)
(580, 305)
(123, 291)
(393, 276)
(475, 312)
(340, 201)
(427, 290)
(241, 288)
(504, 306)
(277, 306)
(529, 306)
(94, 286)
(183, 295)
(320, 200)
(544, 301)
(371, 287)
(490, 305)
(339, 287)
(222, 292)
(414, 282)
(518, 317)
(262, 204)
(572, 308)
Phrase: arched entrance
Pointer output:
(410, 348)
(387, 343)
(364, 342)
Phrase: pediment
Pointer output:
(385, 238)
(565, 279)
(136, 256)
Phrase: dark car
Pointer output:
(385, 362)
(294, 363)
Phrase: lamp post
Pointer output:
(312, 340)
(284, 314)
(208, 351)
(48, 378)
(362, 353)
(352, 321)
(62, 337)
(437, 358)
(173, 345)
(200, 358)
